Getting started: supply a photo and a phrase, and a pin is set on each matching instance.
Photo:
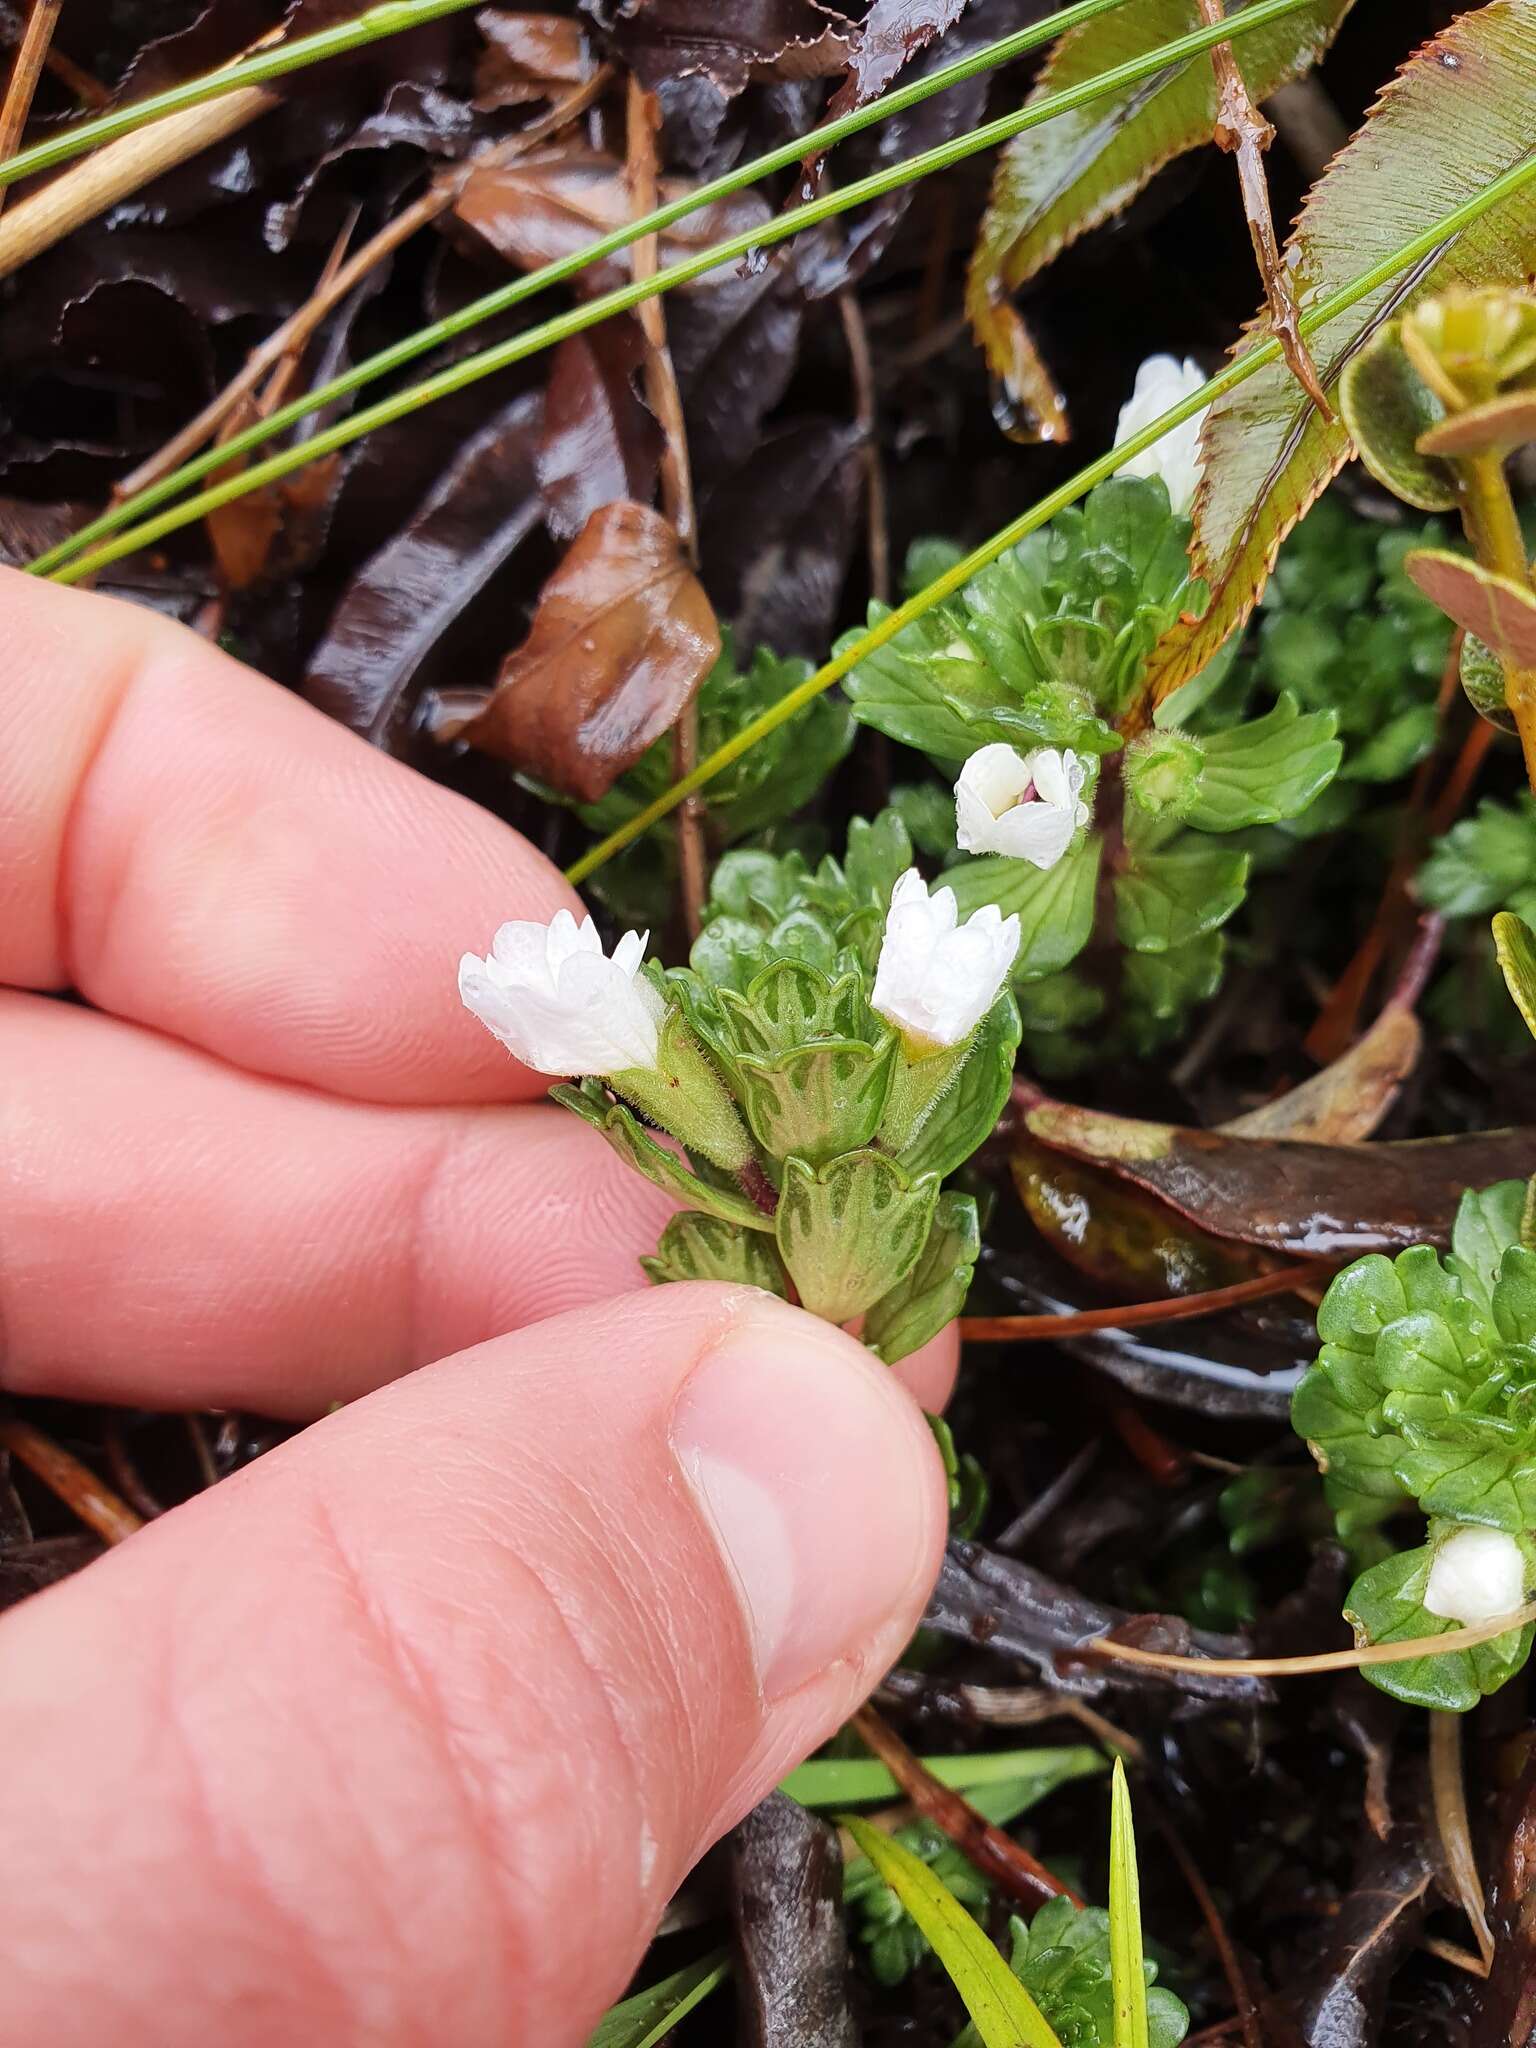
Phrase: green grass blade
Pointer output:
(1406, 259)
(389, 18)
(1127, 1977)
(652, 2014)
(1004, 2014)
(488, 361)
(852, 1781)
(506, 296)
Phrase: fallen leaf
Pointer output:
(526, 57)
(1346, 1101)
(1307, 1199)
(1338, 1998)
(598, 441)
(792, 1945)
(892, 34)
(622, 638)
(734, 46)
(552, 202)
(400, 603)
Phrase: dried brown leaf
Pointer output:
(598, 441)
(892, 34)
(621, 640)
(1346, 1101)
(527, 57)
(733, 46)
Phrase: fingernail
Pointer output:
(818, 1477)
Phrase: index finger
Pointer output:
(190, 846)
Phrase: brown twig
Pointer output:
(74, 1483)
(1133, 1315)
(1448, 1794)
(1243, 132)
(1406, 1652)
(876, 515)
(295, 332)
(1247, 2013)
(995, 1854)
(26, 70)
(665, 401)
(126, 1475)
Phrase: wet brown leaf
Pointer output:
(482, 507)
(733, 46)
(553, 202)
(1378, 1921)
(1347, 1100)
(598, 441)
(527, 57)
(621, 640)
(791, 1943)
(892, 34)
(1306, 1199)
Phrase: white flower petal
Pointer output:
(554, 999)
(1023, 806)
(1476, 1575)
(1160, 383)
(936, 978)
(1035, 832)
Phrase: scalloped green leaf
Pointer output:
(1054, 183)
(699, 1247)
(641, 1151)
(934, 1292)
(1177, 892)
(966, 1115)
(850, 1230)
(1454, 118)
(1386, 1605)
(1054, 905)
(1266, 769)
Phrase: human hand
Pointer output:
(406, 1733)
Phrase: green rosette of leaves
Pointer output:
(1122, 936)
(1424, 1393)
(848, 1128)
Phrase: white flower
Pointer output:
(1160, 383)
(1025, 805)
(937, 978)
(1477, 1575)
(554, 999)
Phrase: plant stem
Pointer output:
(500, 301)
(1040, 514)
(1493, 527)
(26, 70)
(1178, 1308)
(460, 375)
(74, 1483)
(390, 18)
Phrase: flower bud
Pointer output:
(1026, 806)
(1162, 773)
(1476, 1575)
(1160, 383)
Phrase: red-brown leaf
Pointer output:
(598, 442)
(622, 638)
(527, 57)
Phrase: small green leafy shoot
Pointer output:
(1004, 2014)
(1127, 1977)
(649, 2016)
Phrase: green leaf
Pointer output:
(856, 1781)
(934, 1292)
(1428, 144)
(649, 2016)
(1127, 1977)
(1484, 861)
(1172, 894)
(818, 1100)
(1487, 1225)
(1160, 989)
(1063, 1959)
(1515, 944)
(850, 1230)
(698, 1247)
(1004, 2014)
(1386, 1605)
(633, 1145)
(1387, 406)
(1497, 609)
(966, 1115)
(1054, 183)
(1054, 905)
(1265, 770)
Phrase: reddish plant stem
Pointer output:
(1134, 1315)
(995, 1854)
(74, 1483)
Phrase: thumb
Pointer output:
(407, 1733)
